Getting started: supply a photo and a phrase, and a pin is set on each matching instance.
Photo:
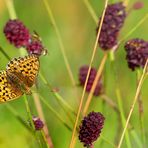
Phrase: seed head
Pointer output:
(113, 21)
(16, 33)
(90, 128)
(82, 78)
(38, 123)
(136, 53)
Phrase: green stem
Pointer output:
(14, 112)
(112, 55)
(107, 141)
(60, 42)
(133, 29)
(5, 54)
(110, 102)
(136, 138)
(31, 120)
(119, 99)
(140, 84)
(44, 138)
(11, 9)
(59, 98)
(55, 113)
(91, 10)
(29, 112)
(141, 117)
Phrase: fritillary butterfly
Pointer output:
(19, 76)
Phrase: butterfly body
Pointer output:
(19, 76)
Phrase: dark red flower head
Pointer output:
(113, 21)
(38, 123)
(16, 33)
(90, 128)
(136, 53)
(82, 78)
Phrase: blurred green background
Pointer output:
(78, 32)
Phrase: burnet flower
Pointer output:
(38, 123)
(82, 78)
(136, 53)
(90, 128)
(17, 33)
(113, 21)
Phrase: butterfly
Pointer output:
(19, 77)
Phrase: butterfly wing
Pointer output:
(8, 90)
(25, 69)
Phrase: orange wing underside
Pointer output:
(24, 71)
(8, 91)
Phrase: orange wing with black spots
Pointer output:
(25, 69)
(19, 76)
(8, 90)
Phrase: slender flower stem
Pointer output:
(45, 139)
(41, 115)
(123, 120)
(99, 72)
(91, 10)
(17, 116)
(133, 104)
(141, 117)
(5, 54)
(136, 138)
(110, 102)
(126, 2)
(112, 55)
(30, 118)
(66, 110)
(55, 113)
(107, 141)
(60, 42)
(29, 112)
(133, 29)
(88, 73)
(58, 97)
(11, 9)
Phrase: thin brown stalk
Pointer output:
(41, 115)
(60, 42)
(88, 73)
(99, 72)
(133, 104)
(110, 102)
